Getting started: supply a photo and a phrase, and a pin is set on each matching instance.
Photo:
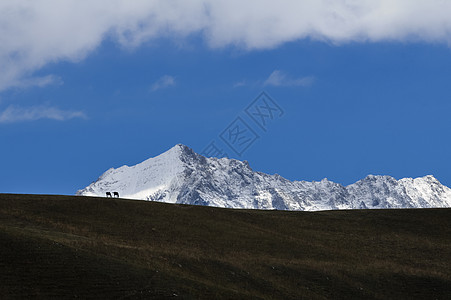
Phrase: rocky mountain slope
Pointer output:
(182, 176)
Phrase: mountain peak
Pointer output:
(430, 178)
(181, 146)
(174, 153)
(180, 175)
(378, 177)
(180, 149)
(176, 149)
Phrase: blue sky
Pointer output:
(360, 96)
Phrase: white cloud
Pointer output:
(279, 78)
(38, 81)
(35, 33)
(164, 82)
(240, 83)
(13, 114)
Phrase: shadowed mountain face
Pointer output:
(182, 176)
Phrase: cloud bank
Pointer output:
(13, 114)
(35, 33)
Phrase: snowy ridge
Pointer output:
(182, 176)
(137, 182)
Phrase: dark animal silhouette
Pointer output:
(116, 194)
(108, 194)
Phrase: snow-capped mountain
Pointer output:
(182, 176)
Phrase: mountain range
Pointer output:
(180, 175)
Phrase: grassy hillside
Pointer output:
(71, 247)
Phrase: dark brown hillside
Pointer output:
(80, 247)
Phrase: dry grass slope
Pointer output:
(69, 247)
